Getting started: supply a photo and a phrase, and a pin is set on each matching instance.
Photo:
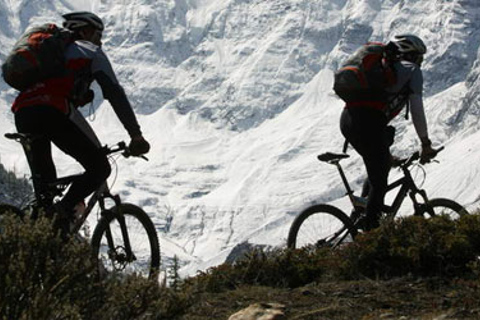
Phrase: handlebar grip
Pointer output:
(121, 146)
(433, 155)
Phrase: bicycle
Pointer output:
(118, 240)
(326, 225)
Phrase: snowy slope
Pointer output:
(235, 96)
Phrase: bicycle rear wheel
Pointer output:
(111, 245)
(321, 226)
(441, 206)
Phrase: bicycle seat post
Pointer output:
(344, 179)
(333, 158)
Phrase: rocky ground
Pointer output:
(402, 298)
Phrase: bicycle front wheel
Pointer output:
(321, 226)
(125, 241)
(441, 206)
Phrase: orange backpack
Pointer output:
(39, 54)
(365, 75)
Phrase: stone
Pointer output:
(261, 311)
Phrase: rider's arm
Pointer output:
(416, 105)
(112, 91)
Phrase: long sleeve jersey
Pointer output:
(408, 89)
(85, 62)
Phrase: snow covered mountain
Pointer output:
(235, 96)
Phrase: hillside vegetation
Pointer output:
(408, 269)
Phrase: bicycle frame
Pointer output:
(407, 186)
(357, 202)
(99, 196)
(406, 183)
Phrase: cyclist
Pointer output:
(365, 124)
(49, 109)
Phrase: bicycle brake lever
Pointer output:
(127, 154)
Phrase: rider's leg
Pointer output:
(389, 139)
(97, 168)
(366, 131)
(28, 120)
(376, 161)
(69, 138)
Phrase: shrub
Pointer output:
(413, 245)
(409, 246)
(277, 268)
(42, 277)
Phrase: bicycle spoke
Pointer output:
(320, 226)
(114, 253)
(321, 230)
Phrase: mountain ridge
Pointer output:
(236, 98)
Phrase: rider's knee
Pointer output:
(105, 168)
(99, 167)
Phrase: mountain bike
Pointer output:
(124, 239)
(326, 225)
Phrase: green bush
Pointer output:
(42, 277)
(413, 245)
(277, 268)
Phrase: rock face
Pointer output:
(261, 311)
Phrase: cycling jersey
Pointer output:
(408, 89)
(85, 62)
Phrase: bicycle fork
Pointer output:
(115, 253)
(423, 206)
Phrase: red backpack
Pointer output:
(365, 75)
(39, 54)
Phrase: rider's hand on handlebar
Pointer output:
(395, 161)
(427, 153)
(138, 146)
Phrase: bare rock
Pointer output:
(261, 311)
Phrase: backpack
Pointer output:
(39, 54)
(366, 74)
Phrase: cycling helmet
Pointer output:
(408, 43)
(81, 19)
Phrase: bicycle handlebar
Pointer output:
(405, 163)
(121, 147)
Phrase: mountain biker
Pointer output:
(48, 109)
(365, 124)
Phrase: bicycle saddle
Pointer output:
(329, 156)
(22, 137)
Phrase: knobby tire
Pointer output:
(102, 247)
(438, 205)
(321, 236)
